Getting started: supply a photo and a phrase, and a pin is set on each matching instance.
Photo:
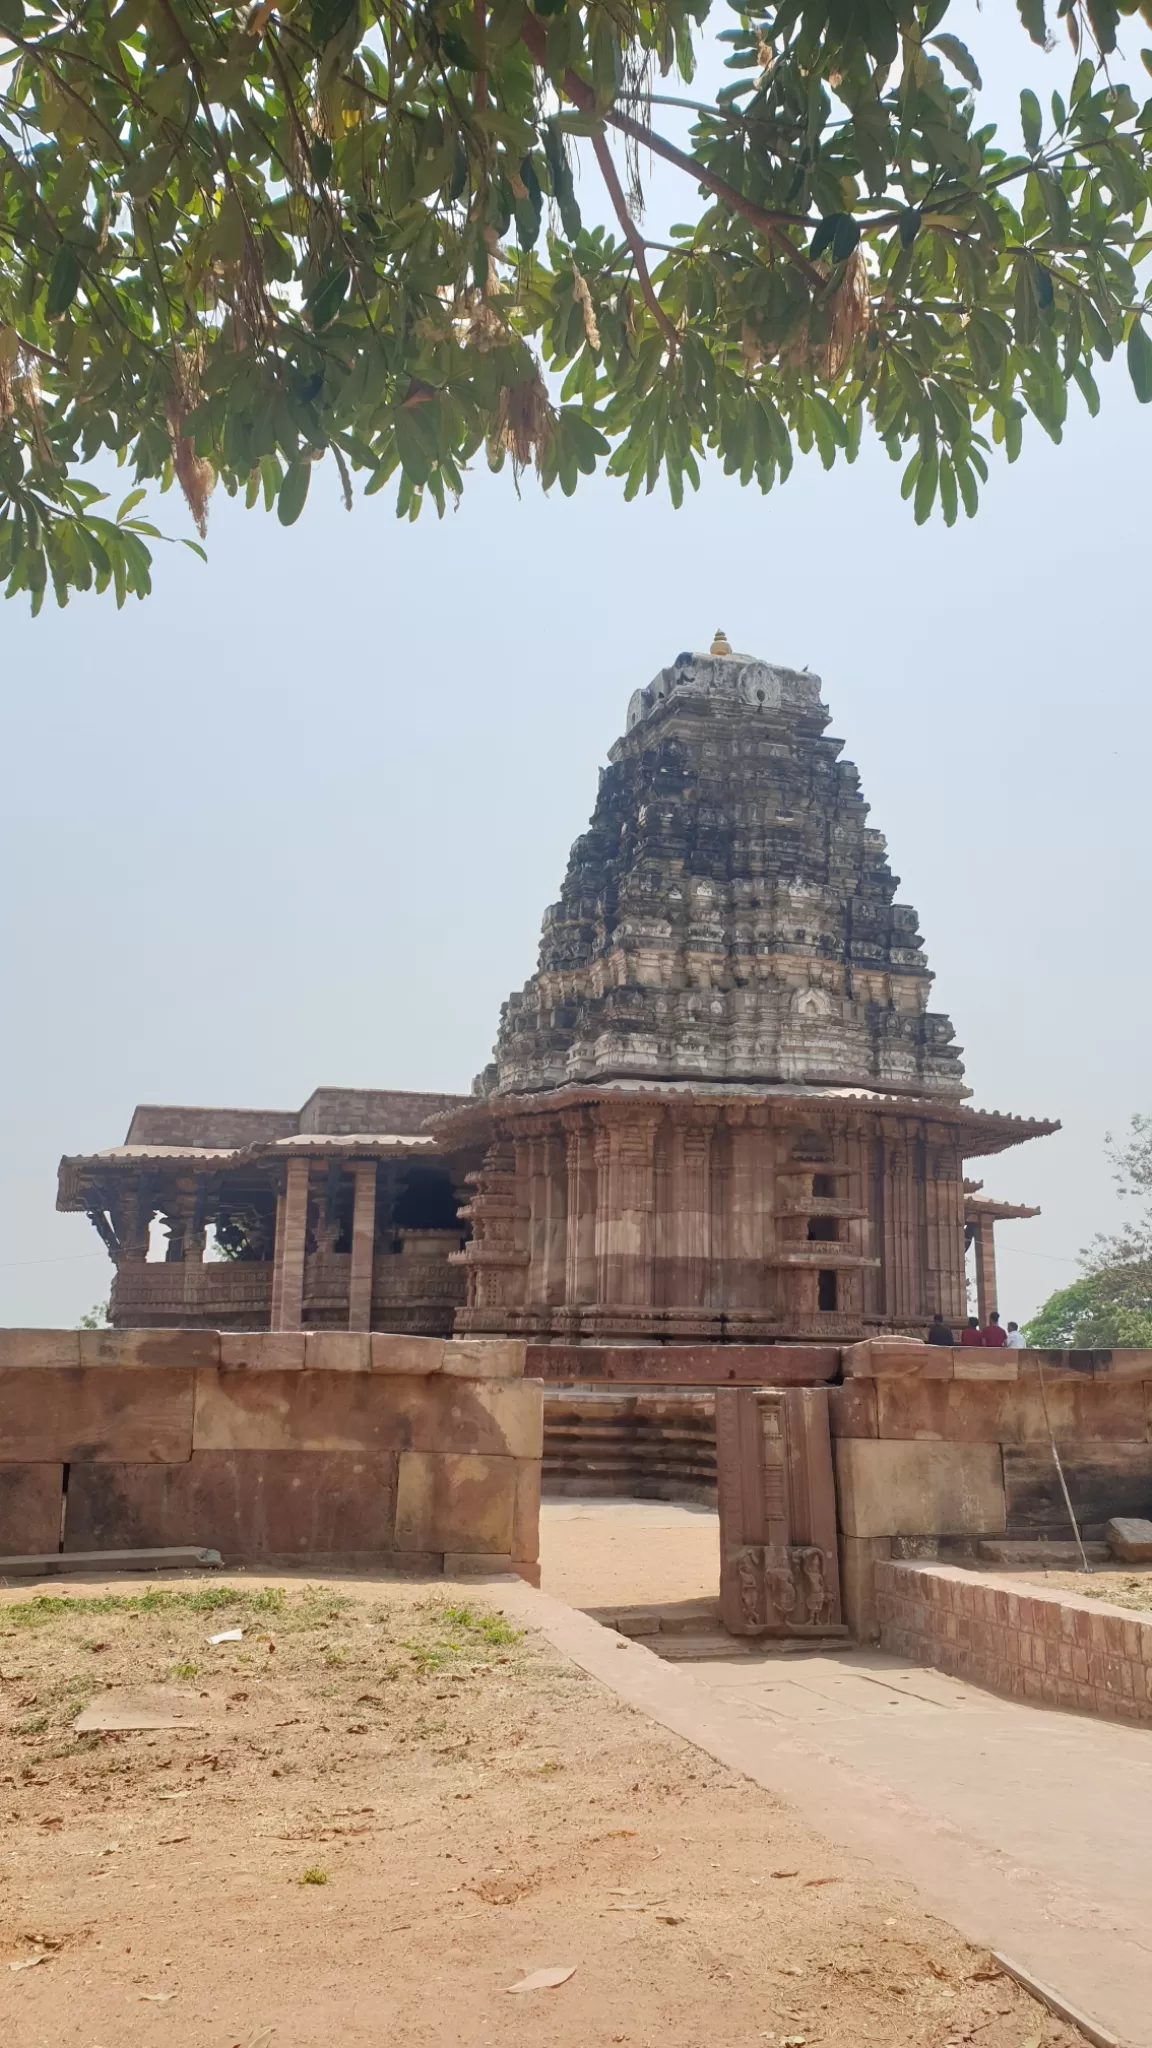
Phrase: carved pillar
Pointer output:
(327, 1207)
(580, 1246)
(134, 1220)
(363, 1245)
(750, 1194)
(628, 1234)
(777, 1510)
(689, 1223)
(291, 1237)
(985, 1268)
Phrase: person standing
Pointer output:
(1016, 1340)
(993, 1333)
(939, 1331)
(972, 1334)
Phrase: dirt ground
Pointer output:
(391, 1808)
(628, 1552)
(1125, 1585)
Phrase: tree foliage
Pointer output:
(1111, 1304)
(237, 240)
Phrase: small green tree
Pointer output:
(96, 1318)
(1111, 1304)
(235, 240)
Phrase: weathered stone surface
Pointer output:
(859, 1556)
(39, 1347)
(779, 1572)
(30, 1501)
(1011, 1412)
(339, 1411)
(852, 1408)
(484, 1358)
(896, 1358)
(97, 1412)
(405, 1355)
(246, 1504)
(1105, 1480)
(526, 1511)
(700, 1365)
(262, 1350)
(121, 1348)
(914, 1489)
(466, 1564)
(1130, 1539)
(338, 1351)
(446, 1502)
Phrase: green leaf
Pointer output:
(1032, 15)
(293, 492)
(63, 281)
(1140, 361)
(909, 226)
(959, 55)
(329, 296)
(1031, 121)
(926, 480)
(328, 18)
(132, 499)
(838, 232)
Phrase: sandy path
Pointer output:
(628, 1552)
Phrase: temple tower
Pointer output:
(721, 1107)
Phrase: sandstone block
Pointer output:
(897, 1358)
(464, 1564)
(1130, 1539)
(484, 1358)
(338, 1351)
(246, 1504)
(859, 1600)
(448, 1502)
(526, 1510)
(85, 1413)
(914, 1488)
(852, 1408)
(970, 1364)
(350, 1411)
(149, 1347)
(1011, 1412)
(262, 1350)
(409, 1356)
(40, 1347)
(31, 1497)
(1104, 1480)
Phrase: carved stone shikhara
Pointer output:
(729, 913)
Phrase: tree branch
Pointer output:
(771, 225)
(634, 240)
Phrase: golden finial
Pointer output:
(720, 643)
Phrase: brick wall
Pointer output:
(1059, 1649)
(321, 1446)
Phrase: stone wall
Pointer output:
(939, 1449)
(318, 1447)
(1058, 1649)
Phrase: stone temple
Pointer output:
(722, 1109)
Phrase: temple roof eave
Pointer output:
(76, 1170)
(984, 1131)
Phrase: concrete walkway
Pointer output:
(1028, 1829)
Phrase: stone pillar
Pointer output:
(363, 1245)
(580, 1247)
(985, 1269)
(689, 1223)
(291, 1237)
(277, 1261)
(554, 1235)
(628, 1236)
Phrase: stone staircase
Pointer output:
(691, 1631)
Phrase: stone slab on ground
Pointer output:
(1025, 1551)
(1130, 1539)
(70, 1564)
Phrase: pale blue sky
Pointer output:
(295, 819)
